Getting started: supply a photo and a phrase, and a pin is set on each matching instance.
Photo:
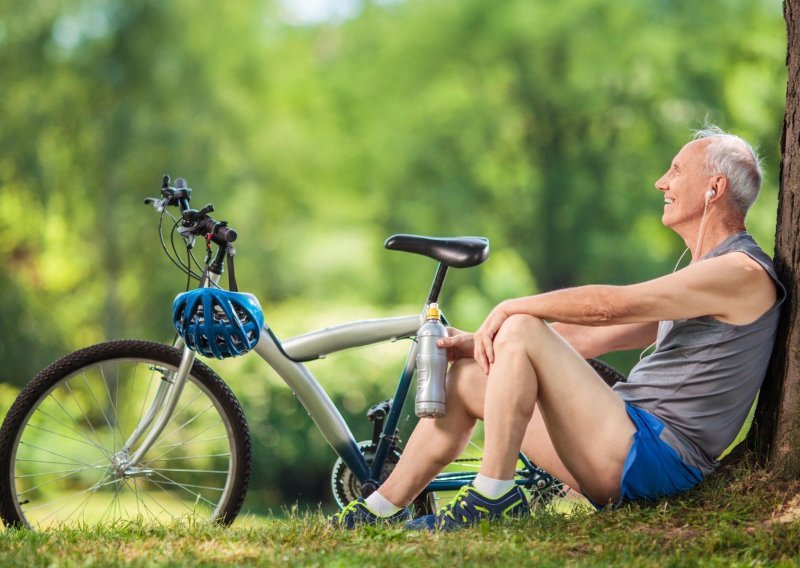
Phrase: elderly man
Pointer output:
(713, 324)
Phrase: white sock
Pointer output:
(380, 505)
(492, 488)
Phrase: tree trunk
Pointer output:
(778, 416)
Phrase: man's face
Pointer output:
(684, 186)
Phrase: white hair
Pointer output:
(730, 156)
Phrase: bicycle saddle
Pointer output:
(457, 252)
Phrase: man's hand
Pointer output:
(484, 337)
(459, 344)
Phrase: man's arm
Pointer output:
(595, 341)
(732, 288)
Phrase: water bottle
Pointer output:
(431, 366)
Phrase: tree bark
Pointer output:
(778, 415)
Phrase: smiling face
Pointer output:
(684, 186)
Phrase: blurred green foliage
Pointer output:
(540, 125)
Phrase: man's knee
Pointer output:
(518, 331)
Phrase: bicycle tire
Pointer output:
(48, 411)
(609, 374)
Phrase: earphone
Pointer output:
(709, 194)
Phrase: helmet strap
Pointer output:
(231, 274)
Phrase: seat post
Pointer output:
(438, 282)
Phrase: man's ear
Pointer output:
(719, 184)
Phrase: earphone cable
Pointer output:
(700, 235)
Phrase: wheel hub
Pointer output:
(124, 469)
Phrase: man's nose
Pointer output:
(661, 183)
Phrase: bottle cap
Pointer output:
(433, 312)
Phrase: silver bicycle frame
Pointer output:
(287, 359)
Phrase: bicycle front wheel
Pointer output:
(62, 461)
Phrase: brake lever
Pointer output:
(158, 204)
(187, 236)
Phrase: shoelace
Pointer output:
(457, 500)
(352, 506)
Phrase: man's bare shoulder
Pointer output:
(745, 279)
(739, 267)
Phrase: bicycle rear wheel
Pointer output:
(61, 459)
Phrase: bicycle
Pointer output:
(134, 429)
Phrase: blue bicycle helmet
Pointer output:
(232, 328)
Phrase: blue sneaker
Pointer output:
(356, 514)
(469, 507)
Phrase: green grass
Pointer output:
(742, 516)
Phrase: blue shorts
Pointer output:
(653, 469)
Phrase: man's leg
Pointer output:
(434, 443)
(587, 424)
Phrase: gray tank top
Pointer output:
(704, 374)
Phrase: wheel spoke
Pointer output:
(56, 479)
(93, 489)
(186, 487)
(188, 441)
(177, 470)
(68, 427)
(83, 412)
(193, 456)
(190, 421)
(35, 427)
(140, 499)
(26, 475)
(112, 402)
(56, 454)
(64, 410)
(47, 462)
(187, 405)
(179, 444)
(146, 397)
(111, 504)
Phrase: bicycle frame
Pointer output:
(287, 360)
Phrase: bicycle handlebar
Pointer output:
(198, 223)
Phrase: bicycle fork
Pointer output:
(156, 418)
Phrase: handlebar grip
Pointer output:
(227, 234)
(220, 234)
